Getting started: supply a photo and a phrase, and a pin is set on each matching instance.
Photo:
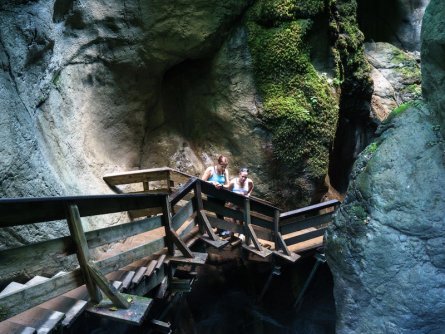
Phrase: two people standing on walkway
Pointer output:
(218, 175)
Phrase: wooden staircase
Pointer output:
(183, 214)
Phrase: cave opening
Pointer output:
(380, 20)
(187, 100)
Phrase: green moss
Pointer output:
(353, 69)
(300, 109)
(275, 12)
(372, 148)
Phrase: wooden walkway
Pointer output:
(169, 212)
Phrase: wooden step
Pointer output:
(218, 244)
(135, 314)
(139, 275)
(12, 287)
(291, 258)
(9, 327)
(261, 253)
(36, 280)
(197, 259)
(80, 293)
(126, 282)
(70, 306)
(117, 285)
(43, 320)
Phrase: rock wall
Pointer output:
(395, 21)
(81, 85)
(95, 87)
(385, 248)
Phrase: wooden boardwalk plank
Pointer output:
(135, 314)
(9, 327)
(43, 320)
(70, 306)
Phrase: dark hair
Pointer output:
(222, 159)
(244, 169)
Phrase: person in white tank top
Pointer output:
(242, 184)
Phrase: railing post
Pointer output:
(199, 205)
(83, 254)
(276, 222)
(250, 233)
(167, 222)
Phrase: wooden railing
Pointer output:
(14, 212)
(182, 213)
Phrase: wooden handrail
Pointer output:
(308, 209)
(22, 211)
(183, 191)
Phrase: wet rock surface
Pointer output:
(396, 76)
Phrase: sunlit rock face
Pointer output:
(82, 91)
(385, 248)
(396, 77)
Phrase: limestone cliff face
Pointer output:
(82, 90)
(92, 87)
(386, 247)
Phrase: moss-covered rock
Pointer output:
(300, 106)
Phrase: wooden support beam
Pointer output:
(167, 222)
(110, 291)
(199, 206)
(83, 254)
(206, 224)
(250, 233)
(181, 244)
(279, 242)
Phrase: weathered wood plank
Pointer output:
(12, 304)
(309, 209)
(22, 211)
(71, 307)
(188, 228)
(144, 212)
(114, 233)
(110, 291)
(181, 244)
(9, 327)
(306, 223)
(182, 215)
(14, 261)
(167, 222)
(134, 314)
(161, 260)
(43, 320)
(248, 230)
(225, 225)
(151, 267)
(225, 211)
(304, 236)
(144, 175)
(184, 190)
(83, 253)
(206, 224)
(139, 275)
(125, 258)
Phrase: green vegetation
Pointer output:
(300, 107)
(372, 148)
(357, 212)
(402, 108)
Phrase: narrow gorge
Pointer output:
(320, 99)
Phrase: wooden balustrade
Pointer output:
(260, 222)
